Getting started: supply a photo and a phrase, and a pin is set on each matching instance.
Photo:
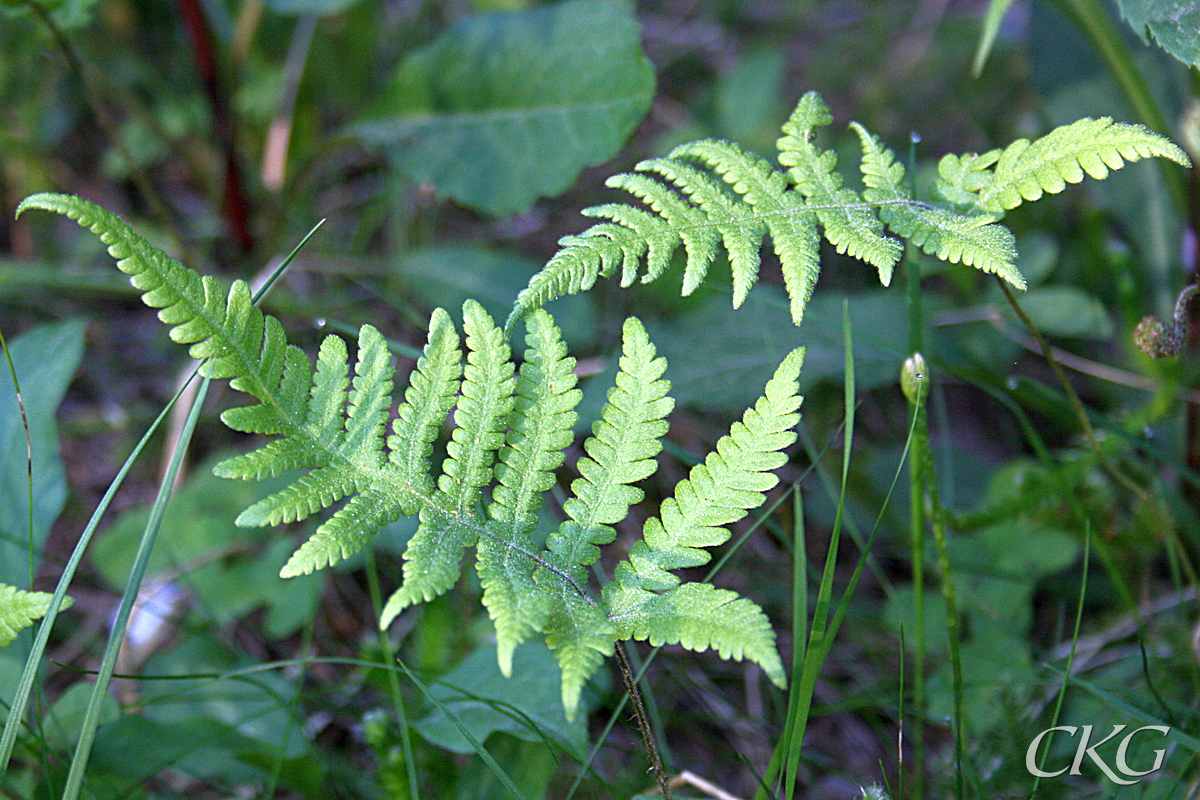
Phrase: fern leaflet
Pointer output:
(20, 609)
(975, 240)
(1000, 180)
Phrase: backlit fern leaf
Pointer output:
(850, 225)
(620, 452)
(720, 491)
(975, 239)
(539, 431)
(1001, 180)
(20, 609)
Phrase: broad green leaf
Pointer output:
(1174, 24)
(65, 720)
(504, 108)
(45, 359)
(205, 553)
(528, 705)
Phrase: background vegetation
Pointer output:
(420, 132)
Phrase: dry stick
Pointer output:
(91, 95)
(639, 713)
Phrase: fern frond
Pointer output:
(581, 637)
(20, 609)
(350, 424)
(389, 487)
(790, 222)
(693, 210)
(430, 394)
(539, 432)
(227, 330)
(620, 452)
(975, 240)
(733, 479)
(1001, 180)
(701, 617)
(850, 224)
(482, 410)
(432, 560)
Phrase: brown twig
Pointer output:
(643, 723)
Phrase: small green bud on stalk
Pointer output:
(914, 379)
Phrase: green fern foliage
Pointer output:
(20, 609)
(710, 196)
(850, 225)
(1000, 180)
(508, 434)
(973, 239)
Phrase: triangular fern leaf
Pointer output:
(430, 394)
(850, 225)
(620, 452)
(719, 491)
(697, 213)
(20, 609)
(975, 240)
(539, 431)
(701, 617)
(1025, 171)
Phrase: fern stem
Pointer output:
(643, 723)
(1076, 404)
(12, 371)
(92, 96)
(917, 522)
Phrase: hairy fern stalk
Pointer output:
(712, 195)
(511, 426)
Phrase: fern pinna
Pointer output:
(510, 432)
(711, 193)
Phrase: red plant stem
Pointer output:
(235, 208)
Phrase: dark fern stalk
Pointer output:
(1157, 340)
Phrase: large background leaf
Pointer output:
(505, 108)
(45, 359)
(1174, 24)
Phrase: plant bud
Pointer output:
(914, 378)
